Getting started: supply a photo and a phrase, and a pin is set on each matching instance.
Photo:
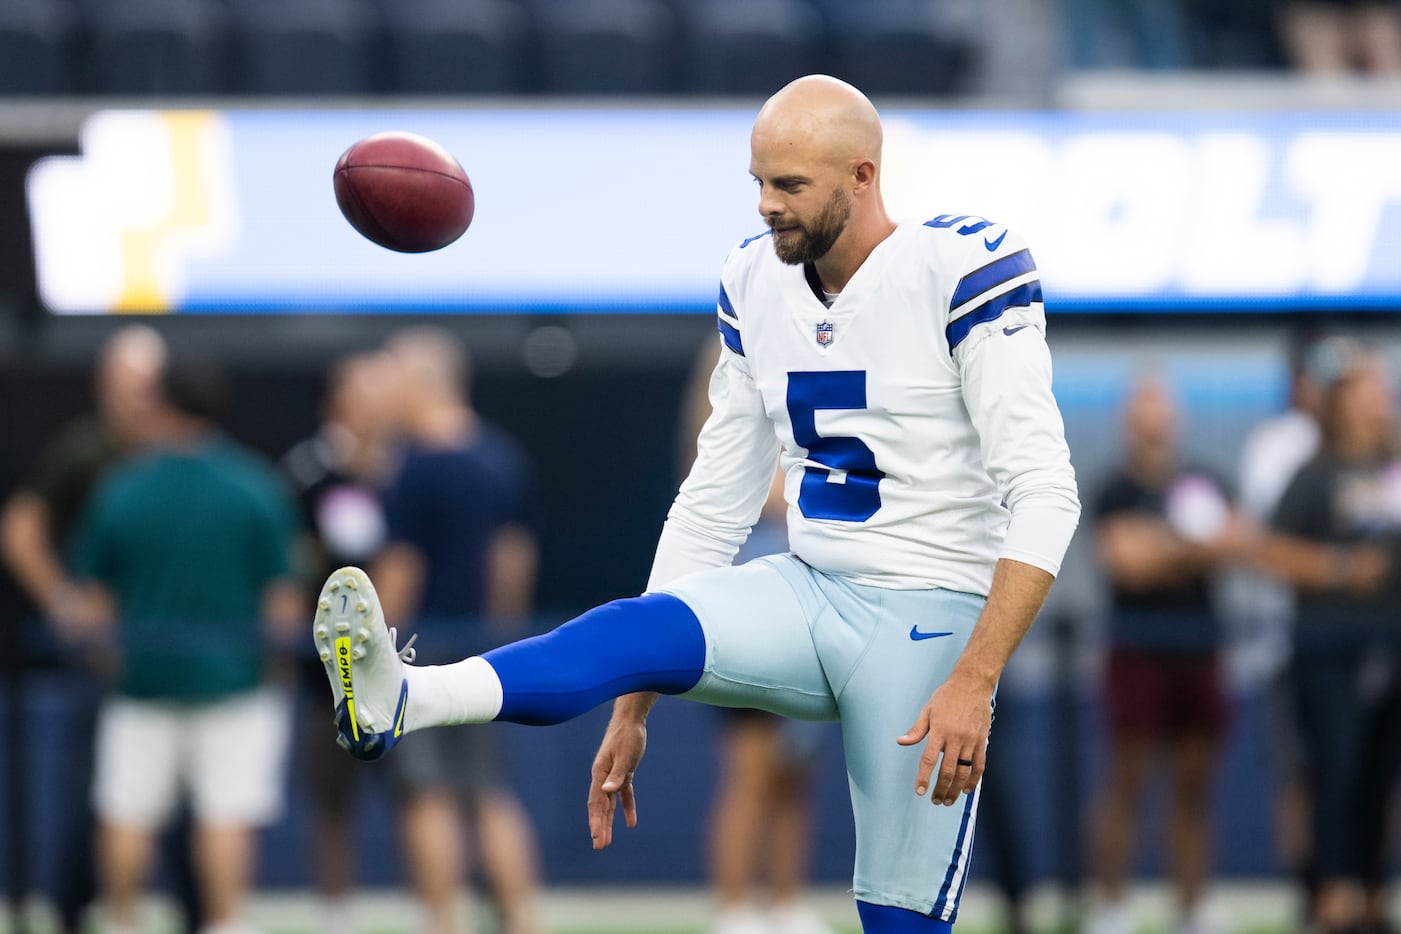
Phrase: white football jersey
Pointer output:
(913, 418)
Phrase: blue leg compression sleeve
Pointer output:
(648, 643)
(884, 919)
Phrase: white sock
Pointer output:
(336, 916)
(231, 926)
(441, 695)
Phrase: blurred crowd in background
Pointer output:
(651, 47)
(153, 545)
(175, 569)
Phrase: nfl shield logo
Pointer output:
(824, 333)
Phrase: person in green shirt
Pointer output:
(191, 543)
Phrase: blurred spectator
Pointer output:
(40, 516)
(36, 530)
(762, 816)
(1278, 446)
(1335, 37)
(187, 548)
(1338, 540)
(1263, 605)
(1126, 34)
(460, 563)
(339, 474)
(1162, 529)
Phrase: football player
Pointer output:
(899, 372)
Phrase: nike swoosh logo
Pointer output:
(916, 635)
(992, 245)
(1010, 331)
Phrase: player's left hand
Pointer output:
(956, 721)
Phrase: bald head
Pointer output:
(1150, 414)
(822, 118)
(134, 347)
(360, 393)
(432, 361)
(815, 152)
(128, 381)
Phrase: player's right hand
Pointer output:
(623, 744)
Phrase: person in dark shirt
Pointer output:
(36, 529)
(460, 564)
(339, 474)
(1162, 530)
(1337, 539)
(40, 516)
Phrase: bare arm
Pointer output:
(958, 717)
(284, 608)
(513, 559)
(1017, 593)
(1311, 565)
(624, 743)
(27, 541)
(77, 611)
(398, 574)
(1142, 552)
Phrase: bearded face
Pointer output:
(797, 242)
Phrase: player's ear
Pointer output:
(863, 174)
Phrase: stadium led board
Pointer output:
(582, 209)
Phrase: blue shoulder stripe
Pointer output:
(991, 311)
(730, 333)
(948, 220)
(994, 273)
(745, 243)
(726, 304)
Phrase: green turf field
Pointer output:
(1267, 908)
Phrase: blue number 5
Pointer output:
(858, 498)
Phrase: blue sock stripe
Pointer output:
(887, 919)
(648, 643)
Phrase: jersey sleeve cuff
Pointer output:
(1040, 532)
(683, 549)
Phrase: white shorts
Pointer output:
(229, 757)
(783, 637)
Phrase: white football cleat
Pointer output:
(366, 671)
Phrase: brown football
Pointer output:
(404, 192)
